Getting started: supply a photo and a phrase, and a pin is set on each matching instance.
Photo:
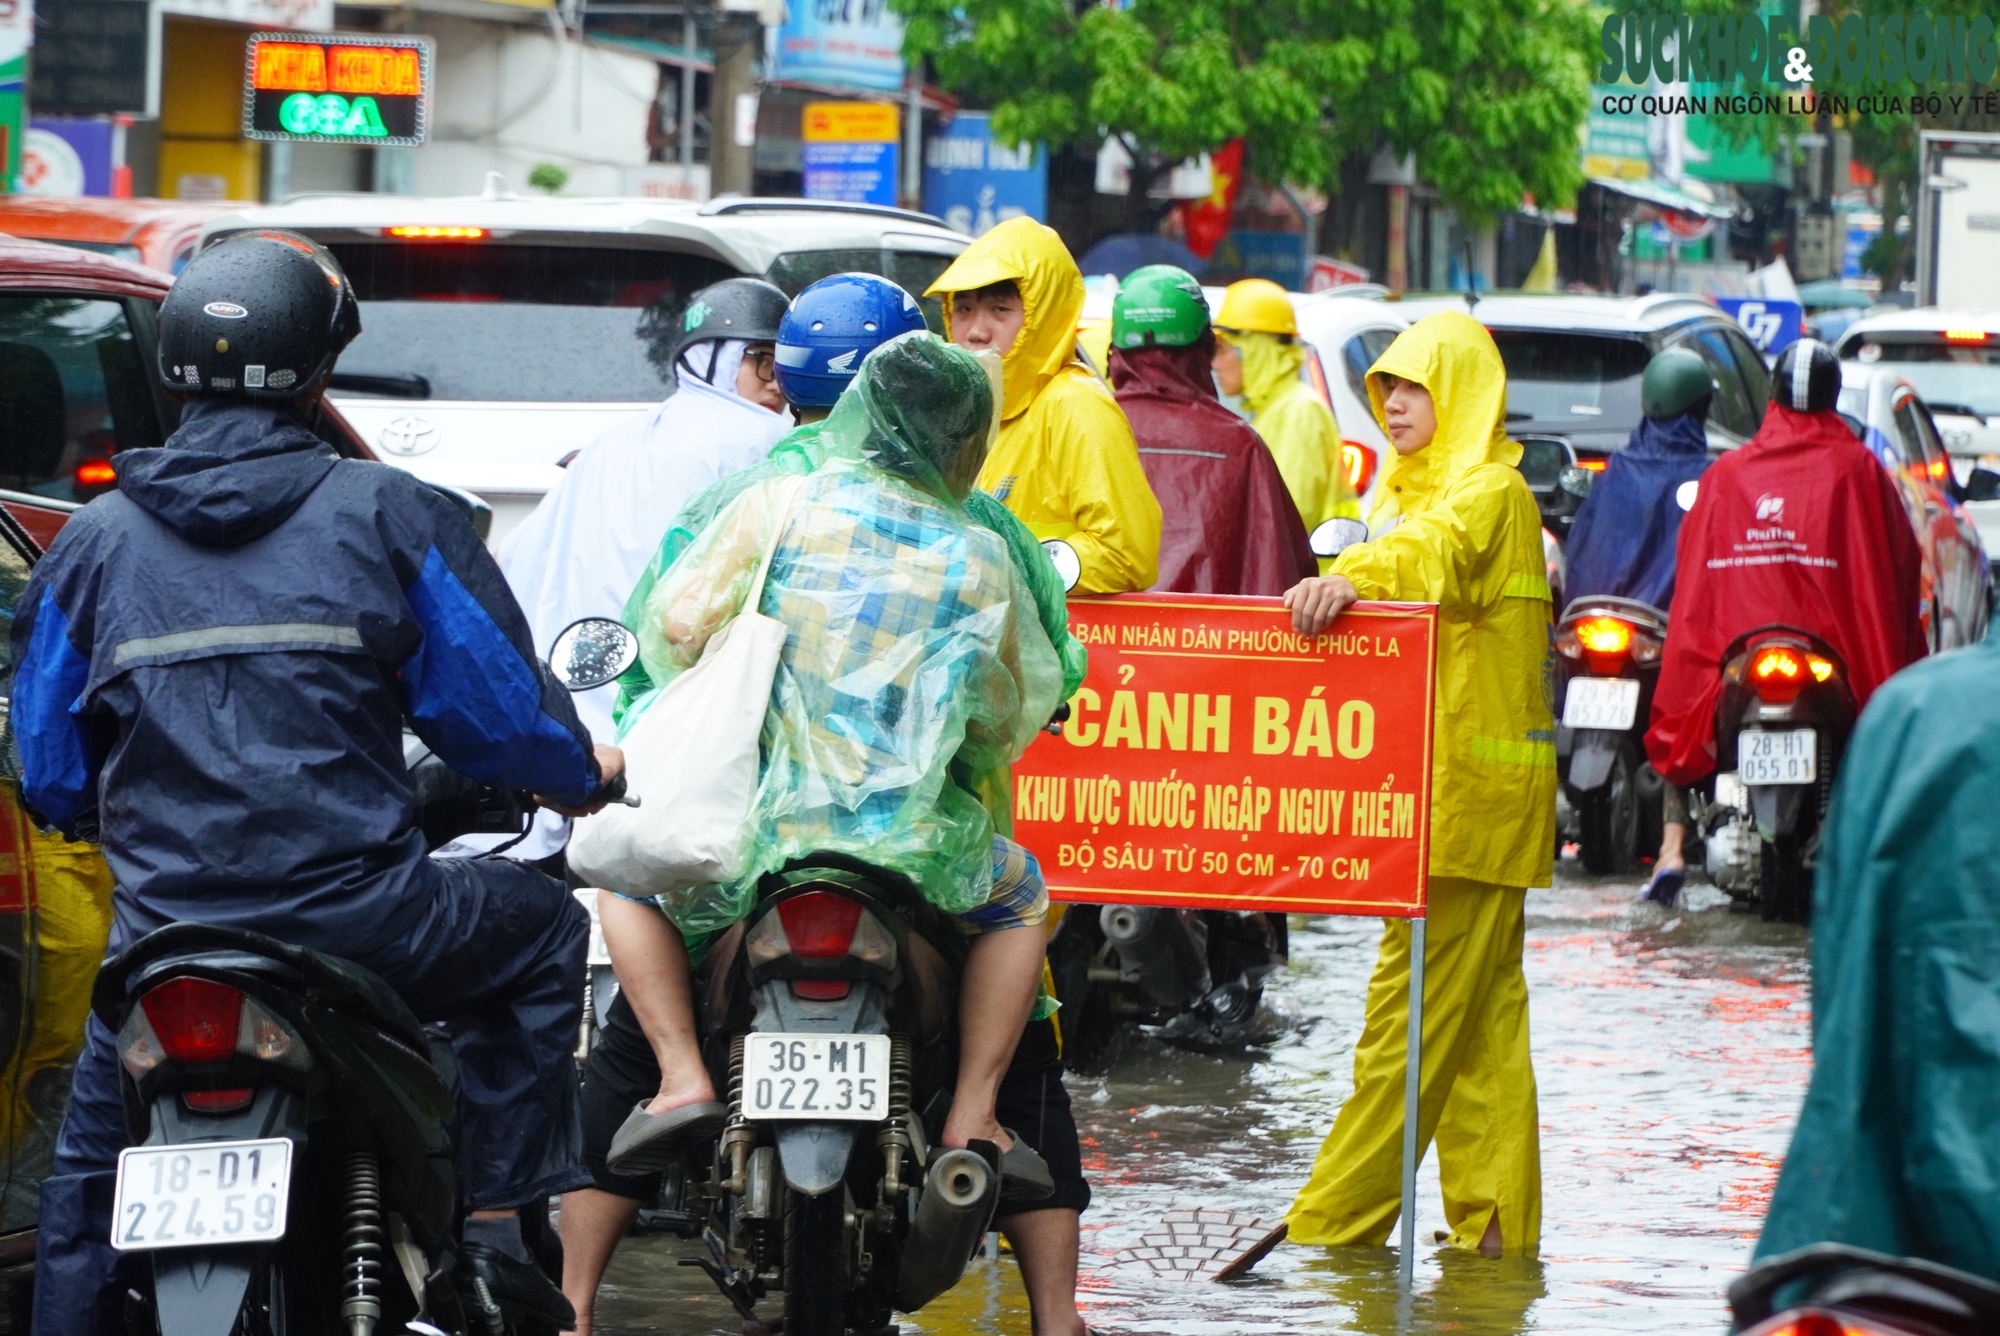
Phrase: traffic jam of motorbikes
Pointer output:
(1004, 800)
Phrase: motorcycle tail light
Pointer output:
(1817, 1322)
(1822, 669)
(199, 1020)
(217, 1101)
(1606, 642)
(1779, 672)
(1359, 462)
(820, 924)
(194, 1020)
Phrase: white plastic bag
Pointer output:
(692, 758)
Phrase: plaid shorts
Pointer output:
(1019, 899)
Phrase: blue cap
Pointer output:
(832, 327)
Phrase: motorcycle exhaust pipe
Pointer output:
(1125, 924)
(957, 1203)
(1167, 951)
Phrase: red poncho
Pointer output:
(1801, 526)
(1229, 524)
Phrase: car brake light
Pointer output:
(1939, 469)
(1594, 465)
(1359, 462)
(217, 1101)
(95, 473)
(1965, 336)
(196, 1020)
(437, 233)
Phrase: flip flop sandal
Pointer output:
(1665, 887)
(1024, 1175)
(648, 1143)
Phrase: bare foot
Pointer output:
(960, 1132)
(680, 1094)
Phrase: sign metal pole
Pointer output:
(1412, 1085)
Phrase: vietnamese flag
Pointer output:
(1207, 220)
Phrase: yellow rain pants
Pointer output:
(1478, 1086)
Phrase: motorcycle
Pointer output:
(1781, 724)
(1835, 1290)
(295, 1125)
(1119, 965)
(1608, 654)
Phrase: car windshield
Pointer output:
(1952, 378)
(497, 321)
(1583, 382)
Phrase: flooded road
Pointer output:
(1671, 1050)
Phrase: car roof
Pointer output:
(1327, 315)
(1922, 320)
(748, 233)
(87, 218)
(33, 264)
(1871, 376)
(1571, 313)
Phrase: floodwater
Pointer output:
(1671, 1051)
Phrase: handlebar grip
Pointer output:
(614, 792)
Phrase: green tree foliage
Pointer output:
(1488, 93)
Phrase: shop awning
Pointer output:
(1661, 195)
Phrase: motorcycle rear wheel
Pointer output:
(815, 1264)
(1784, 882)
(1608, 820)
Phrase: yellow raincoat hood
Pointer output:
(1451, 355)
(1296, 424)
(1269, 367)
(1034, 257)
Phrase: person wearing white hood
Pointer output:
(585, 546)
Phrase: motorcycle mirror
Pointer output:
(1576, 480)
(1067, 563)
(1684, 494)
(1336, 536)
(591, 652)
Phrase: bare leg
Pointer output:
(653, 974)
(1045, 1245)
(1671, 858)
(1489, 1242)
(592, 1223)
(1001, 974)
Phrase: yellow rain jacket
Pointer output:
(1065, 462)
(1467, 537)
(1301, 433)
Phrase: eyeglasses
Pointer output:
(764, 363)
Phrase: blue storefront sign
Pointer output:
(1770, 322)
(1278, 256)
(853, 173)
(842, 44)
(975, 184)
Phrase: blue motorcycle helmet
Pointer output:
(831, 326)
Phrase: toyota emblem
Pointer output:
(411, 434)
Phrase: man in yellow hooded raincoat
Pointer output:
(1065, 463)
(1258, 356)
(1466, 536)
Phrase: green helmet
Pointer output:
(1677, 380)
(1158, 306)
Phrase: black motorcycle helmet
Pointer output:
(1806, 377)
(736, 308)
(260, 315)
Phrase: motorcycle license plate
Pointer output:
(816, 1077)
(201, 1195)
(1601, 702)
(1790, 757)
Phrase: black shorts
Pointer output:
(621, 1072)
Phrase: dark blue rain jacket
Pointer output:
(1622, 540)
(214, 663)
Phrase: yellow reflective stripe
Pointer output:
(1506, 751)
(1527, 586)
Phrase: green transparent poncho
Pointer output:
(917, 666)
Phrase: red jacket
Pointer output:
(1801, 526)
(1229, 524)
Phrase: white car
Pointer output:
(1953, 360)
(1347, 333)
(500, 335)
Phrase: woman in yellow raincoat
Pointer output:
(1466, 536)
(1065, 463)
(1258, 355)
